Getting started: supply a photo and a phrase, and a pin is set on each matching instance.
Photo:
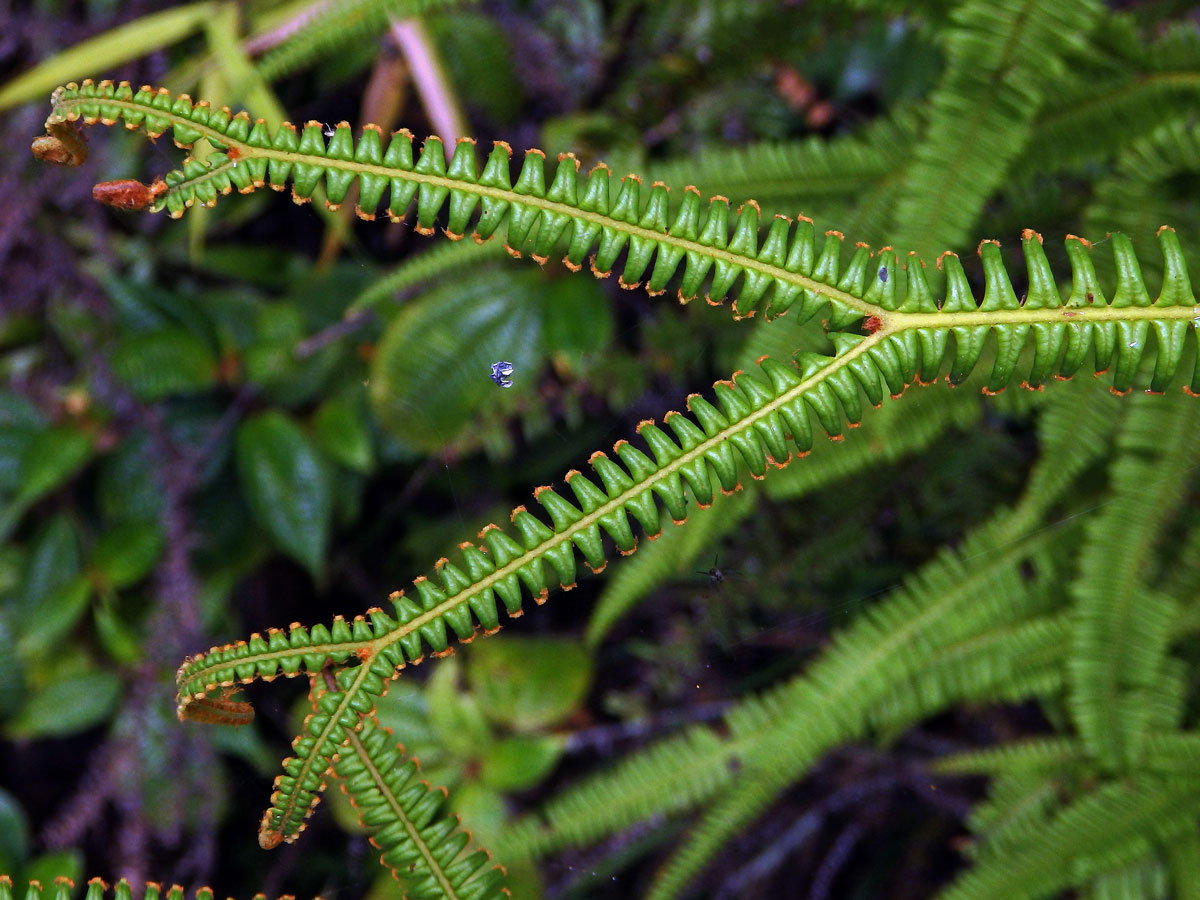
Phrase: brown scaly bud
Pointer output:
(128, 193)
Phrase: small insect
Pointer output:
(501, 372)
(883, 274)
(717, 575)
(329, 130)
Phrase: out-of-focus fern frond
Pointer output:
(805, 176)
(1118, 78)
(334, 25)
(1116, 825)
(1000, 54)
(1122, 625)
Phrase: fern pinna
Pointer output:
(887, 324)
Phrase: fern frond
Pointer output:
(1000, 53)
(428, 266)
(1182, 854)
(1018, 804)
(1122, 626)
(1142, 880)
(672, 555)
(1142, 185)
(946, 603)
(1142, 85)
(1008, 664)
(421, 843)
(1033, 756)
(1115, 825)
(1172, 753)
(814, 171)
(786, 729)
(786, 269)
(99, 890)
(334, 25)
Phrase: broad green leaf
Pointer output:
(578, 319)
(14, 833)
(517, 763)
(67, 706)
(120, 642)
(126, 554)
(53, 561)
(340, 427)
(286, 483)
(106, 51)
(53, 616)
(528, 683)
(20, 421)
(50, 459)
(162, 363)
(56, 864)
(129, 486)
(455, 715)
(431, 376)
(271, 362)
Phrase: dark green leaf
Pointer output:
(50, 459)
(127, 553)
(287, 484)
(14, 833)
(162, 363)
(340, 428)
(528, 683)
(54, 615)
(57, 864)
(517, 763)
(67, 706)
(431, 376)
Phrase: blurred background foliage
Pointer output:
(189, 453)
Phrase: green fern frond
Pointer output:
(946, 603)
(674, 775)
(1074, 427)
(1118, 78)
(1142, 183)
(432, 264)
(672, 555)
(788, 267)
(783, 731)
(1142, 880)
(1033, 756)
(813, 171)
(1122, 626)
(333, 26)
(758, 420)
(1009, 664)
(1018, 805)
(1172, 753)
(1117, 824)
(63, 888)
(999, 55)
(1182, 854)
(421, 843)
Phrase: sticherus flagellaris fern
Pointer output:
(904, 333)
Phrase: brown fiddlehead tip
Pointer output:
(127, 193)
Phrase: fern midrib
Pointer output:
(398, 811)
